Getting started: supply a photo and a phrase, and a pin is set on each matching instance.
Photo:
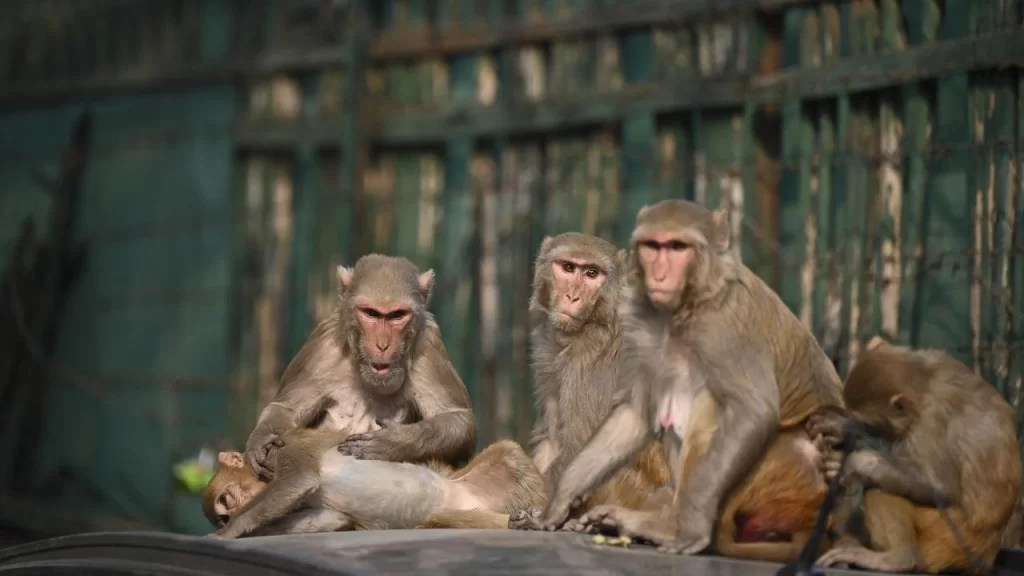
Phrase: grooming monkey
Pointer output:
(952, 442)
(380, 356)
(578, 281)
(318, 489)
(698, 319)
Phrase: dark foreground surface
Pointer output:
(392, 552)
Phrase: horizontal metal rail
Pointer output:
(998, 50)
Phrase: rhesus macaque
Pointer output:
(578, 282)
(697, 319)
(316, 488)
(950, 441)
(380, 355)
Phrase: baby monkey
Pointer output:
(951, 444)
(319, 489)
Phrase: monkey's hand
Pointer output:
(863, 466)
(693, 534)
(553, 518)
(827, 424)
(379, 445)
(828, 459)
(261, 456)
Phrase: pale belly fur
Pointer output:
(672, 414)
(392, 495)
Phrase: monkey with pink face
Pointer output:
(381, 358)
(700, 329)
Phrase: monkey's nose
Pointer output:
(383, 346)
(572, 299)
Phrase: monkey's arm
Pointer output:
(877, 470)
(286, 494)
(621, 437)
(746, 391)
(447, 431)
(307, 521)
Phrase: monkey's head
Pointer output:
(681, 252)
(577, 279)
(231, 487)
(885, 387)
(383, 304)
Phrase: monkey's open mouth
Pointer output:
(380, 368)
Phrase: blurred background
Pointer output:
(179, 178)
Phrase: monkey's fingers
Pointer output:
(528, 519)
(574, 525)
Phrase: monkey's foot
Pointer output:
(528, 519)
(574, 525)
(891, 561)
(686, 547)
(633, 524)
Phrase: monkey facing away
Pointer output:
(575, 342)
(380, 356)
(952, 442)
(698, 319)
(318, 489)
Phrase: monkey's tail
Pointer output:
(479, 519)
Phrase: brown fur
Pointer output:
(417, 411)
(696, 318)
(499, 480)
(952, 438)
(575, 366)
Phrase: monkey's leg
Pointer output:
(889, 521)
(275, 501)
(479, 519)
(621, 437)
(307, 521)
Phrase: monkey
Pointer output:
(380, 355)
(768, 517)
(697, 318)
(948, 441)
(316, 488)
(574, 344)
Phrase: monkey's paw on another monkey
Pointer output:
(260, 458)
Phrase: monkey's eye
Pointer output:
(396, 315)
(651, 244)
(677, 245)
(592, 272)
(568, 267)
(372, 313)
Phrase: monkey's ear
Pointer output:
(723, 235)
(623, 256)
(344, 277)
(426, 283)
(876, 342)
(230, 459)
(900, 404)
(642, 212)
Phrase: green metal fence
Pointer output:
(868, 151)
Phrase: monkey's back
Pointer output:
(806, 378)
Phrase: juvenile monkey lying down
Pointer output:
(316, 488)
